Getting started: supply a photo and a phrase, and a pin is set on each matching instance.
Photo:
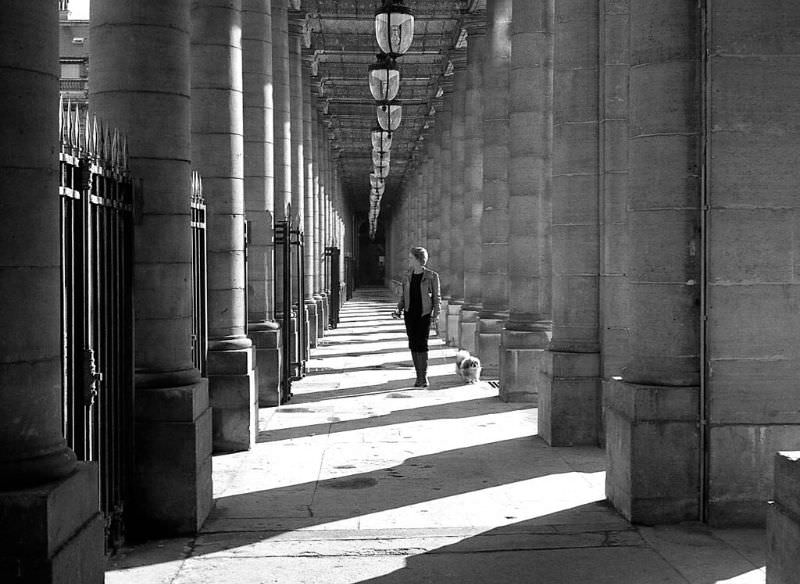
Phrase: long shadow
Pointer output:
(449, 411)
(439, 382)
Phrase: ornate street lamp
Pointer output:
(382, 170)
(384, 78)
(389, 116)
(381, 139)
(394, 27)
(375, 181)
(380, 158)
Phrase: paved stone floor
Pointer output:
(363, 479)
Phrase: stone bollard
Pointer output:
(783, 521)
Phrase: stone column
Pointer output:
(527, 333)
(218, 154)
(431, 213)
(444, 195)
(457, 202)
(259, 191)
(324, 278)
(151, 105)
(569, 402)
(317, 141)
(473, 182)
(51, 524)
(651, 413)
(494, 220)
(299, 318)
(309, 163)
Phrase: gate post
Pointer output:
(49, 504)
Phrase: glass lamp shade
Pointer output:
(381, 140)
(381, 171)
(389, 116)
(380, 158)
(384, 80)
(375, 181)
(394, 27)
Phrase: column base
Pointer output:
(232, 388)
(267, 342)
(490, 329)
(783, 521)
(442, 326)
(652, 446)
(569, 398)
(311, 308)
(468, 329)
(318, 301)
(520, 365)
(54, 533)
(453, 317)
(172, 492)
(326, 311)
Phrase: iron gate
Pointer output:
(290, 287)
(332, 267)
(199, 276)
(96, 195)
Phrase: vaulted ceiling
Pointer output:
(343, 46)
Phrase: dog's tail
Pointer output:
(461, 355)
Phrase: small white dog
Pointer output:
(468, 367)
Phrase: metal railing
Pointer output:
(96, 195)
(199, 275)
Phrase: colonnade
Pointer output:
(609, 239)
(212, 86)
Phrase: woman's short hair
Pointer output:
(421, 254)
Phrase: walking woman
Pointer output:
(419, 305)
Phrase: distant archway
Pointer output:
(371, 268)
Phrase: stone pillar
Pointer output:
(308, 250)
(783, 521)
(51, 528)
(457, 202)
(151, 105)
(527, 333)
(569, 403)
(494, 220)
(323, 227)
(317, 141)
(431, 213)
(651, 413)
(218, 154)
(299, 318)
(473, 182)
(259, 191)
(444, 195)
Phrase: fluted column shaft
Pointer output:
(457, 198)
(443, 196)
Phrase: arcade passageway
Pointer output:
(361, 478)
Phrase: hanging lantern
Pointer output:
(381, 139)
(394, 27)
(375, 181)
(384, 78)
(379, 158)
(381, 171)
(389, 116)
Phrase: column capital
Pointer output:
(475, 24)
(299, 26)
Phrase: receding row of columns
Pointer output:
(586, 245)
(217, 87)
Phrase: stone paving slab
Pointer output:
(362, 478)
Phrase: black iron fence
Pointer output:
(332, 258)
(199, 275)
(97, 194)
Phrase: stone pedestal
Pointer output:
(520, 351)
(311, 309)
(172, 491)
(651, 440)
(453, 317)
(232, 385)
(783, 521)
(568, 396)
(267, 342)
(468, 329)
(324, 322)
(487, 339)
(442, 326)
(50, 533)
(319, 301)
